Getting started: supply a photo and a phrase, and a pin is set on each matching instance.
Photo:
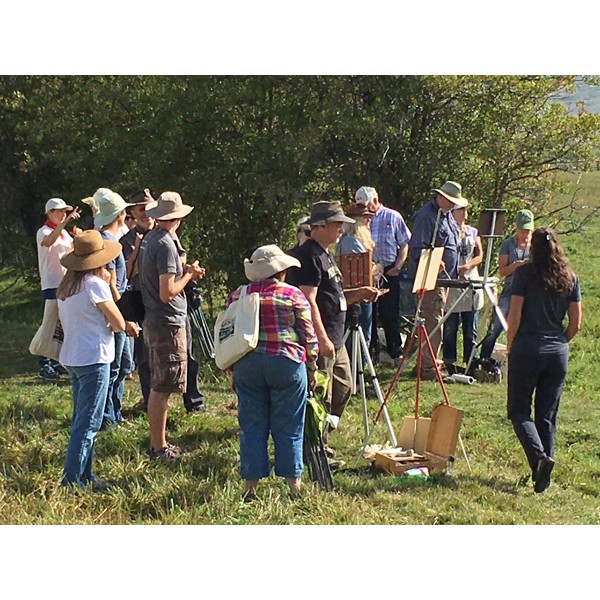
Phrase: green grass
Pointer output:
(205, 487)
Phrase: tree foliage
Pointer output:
(252, 153)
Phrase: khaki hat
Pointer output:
(168, 206)
(57, 204)
(267, 261)
(91, 202)
(524, 220)
(110, 206)
(324, 212)
(452, 191)
(90, 251)
(365, 194)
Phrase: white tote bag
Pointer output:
(236, 329)
(49, 337)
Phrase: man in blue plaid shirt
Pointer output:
(391, 237)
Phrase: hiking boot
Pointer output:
(542, 474)
(168, 453)
(99, 485)
(47, 373)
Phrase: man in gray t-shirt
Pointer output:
(159, 256)
(162, 281)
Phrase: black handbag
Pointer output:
(131, 305)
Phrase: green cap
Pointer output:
(525, 219)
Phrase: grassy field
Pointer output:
(205, 487)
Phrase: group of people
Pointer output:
(303, 316)
(87, 274)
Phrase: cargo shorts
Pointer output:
(167, 357)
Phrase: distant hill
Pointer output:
(590, 94)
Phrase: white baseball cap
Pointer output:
(365, 194)
(57, 204)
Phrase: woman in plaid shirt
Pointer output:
(271, 381)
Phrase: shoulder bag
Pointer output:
(236, 329)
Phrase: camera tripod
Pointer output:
(359, 354)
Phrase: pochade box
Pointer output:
(432, 441)
(356, 269)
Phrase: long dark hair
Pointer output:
(551, 266)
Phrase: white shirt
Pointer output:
(51, 271)
(88, 339)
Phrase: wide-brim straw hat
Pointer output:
(90, 251)
(453, 191)
(110, 206)
(267, 261)
(168, 206)
(323, 213)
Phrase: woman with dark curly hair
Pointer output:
(544, 290)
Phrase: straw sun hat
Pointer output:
(90, 251)
(267, 261)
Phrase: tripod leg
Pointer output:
(365, 348)
(356, 346)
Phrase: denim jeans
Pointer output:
(89, 386)
(272, 392)
(469, 320)
(487, 346)
(542, 373)
(119, 369)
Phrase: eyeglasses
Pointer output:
(305, 230)
(130, 218)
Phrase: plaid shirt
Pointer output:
(389, 232)
(286, 327)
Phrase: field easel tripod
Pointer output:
(491, 227)
(425, 280)
(360, 354)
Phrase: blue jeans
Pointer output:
(272, 392)
(531, 371)
(119, 369)
(469, 320)
(487, 346)
(89, 385)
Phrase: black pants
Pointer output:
(531, 371)
(192, 397)
(388, 309)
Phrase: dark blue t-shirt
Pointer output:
(447, 236)
(541, 326)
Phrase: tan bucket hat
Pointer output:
(90, 251)
(168, 206)
(452, 191)
(267, 261)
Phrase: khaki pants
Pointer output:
(432, 310)
(340, 380)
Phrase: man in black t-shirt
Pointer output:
(321, 282)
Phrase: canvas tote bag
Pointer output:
(49, 337)
(236, 329)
